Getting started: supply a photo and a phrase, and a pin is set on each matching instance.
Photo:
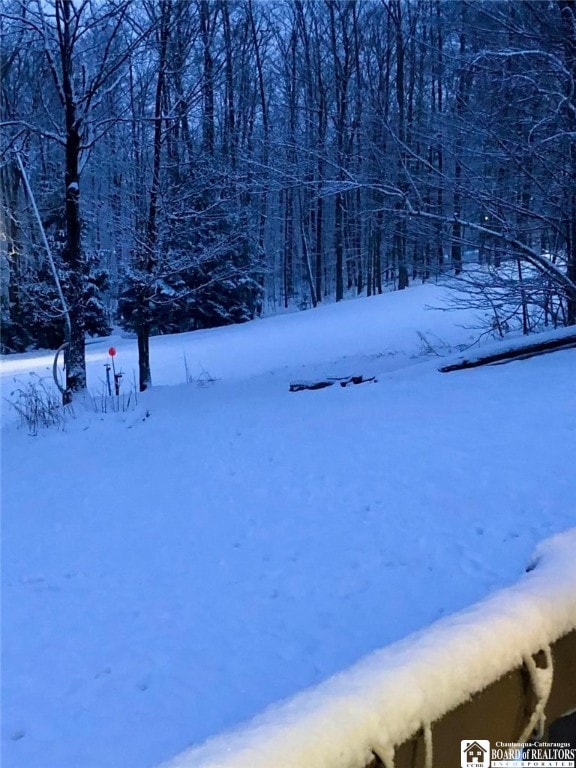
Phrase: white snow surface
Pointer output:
(388, 696)
(171, 571)
(377, 333)
(510, 343)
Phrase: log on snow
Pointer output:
(344, 381)
(522, 352)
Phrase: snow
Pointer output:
(512, 343)
(376, 333)
(541, 679)
(394, 692)
(172, 570)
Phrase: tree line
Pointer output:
(197, 162)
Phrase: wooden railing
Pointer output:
(503, 670)
(500, 713)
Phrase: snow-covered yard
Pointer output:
(170, 571)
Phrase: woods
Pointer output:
(199, 162)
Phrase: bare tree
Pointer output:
(64, 31)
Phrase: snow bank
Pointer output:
(387, 697)
(510, 344)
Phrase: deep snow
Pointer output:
(168, 576)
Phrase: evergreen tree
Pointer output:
(39, 322)
(206, 272)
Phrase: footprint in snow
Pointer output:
(32, 579)
(105, 671)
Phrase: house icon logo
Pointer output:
(475, 754)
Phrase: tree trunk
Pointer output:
(342, 71)
(568, 15)
(72, 255)
(9, 184)
(339, 244)
(229, 137)
(263, 196)
(460, 103)
(400, 225)
(148, 255)
(207, 80)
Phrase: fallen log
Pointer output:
(523, 351)
(344, 381)
(299, 386)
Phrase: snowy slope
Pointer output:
(330, 337)
(168, 576)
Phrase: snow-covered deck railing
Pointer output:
(404, 692)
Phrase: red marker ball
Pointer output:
(112, 351)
